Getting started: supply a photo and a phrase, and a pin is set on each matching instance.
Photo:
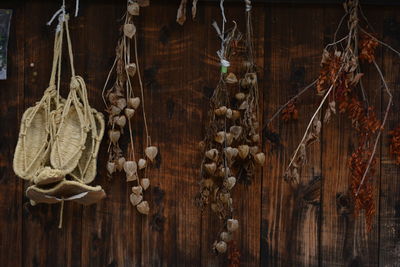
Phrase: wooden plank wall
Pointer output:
(308, 225)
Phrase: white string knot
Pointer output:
(248, 5)
(225, 63)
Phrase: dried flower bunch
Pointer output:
(395, 144)
(122, 104)
(340, 85)
(231, 144)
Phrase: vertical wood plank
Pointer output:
(290, 224)
(12, 104)
(389, 216)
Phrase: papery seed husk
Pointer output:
(208, 182)
(129, 30)
(143, 207)
(251, 78)
(138, 190)
(220, 137)
(255, 138)
(253, 150)
(131, 69)
(221, 247)
(212, 154)
(236, 131)
(224, 197)
(226, 236)
(244, 105)
(145, 183)
(151, 152)
(133, 177)
(231, 78)
(121, 103)
(120, 163)
(229, 138)
(243, 83)
(114, 110)
(134, 102)
(260, 158)
(135, 199)
(121, 121)
(243, 151)
(210, 167)
(232, 225)
(133, 9)
(129, 113)
(220, 111)
(114, 136)
(235, 114)
(240, 96)
(142, 164)
(224, 171)
(112, 97)
(230, 182)
(111, 167)
(130, 167)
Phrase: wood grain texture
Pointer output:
(305, 224)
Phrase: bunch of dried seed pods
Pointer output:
(231, 144)
(122, 104)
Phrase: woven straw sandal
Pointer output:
(32, 149)
(69, 141)
(87, 165)
(66, 190)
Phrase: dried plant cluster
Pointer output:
(231, 146)
(340, 86)
(122, 105)
(394, 148)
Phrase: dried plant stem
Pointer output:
(380, 128)
(312, 119)
(148, 139)
(288, 102)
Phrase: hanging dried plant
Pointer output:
(181, 12)
(231, 146)
(122, 104)
(340, 84)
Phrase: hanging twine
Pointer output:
(61, 15)
(248, 5)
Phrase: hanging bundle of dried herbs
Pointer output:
(340, 86)
(121, 105)
(230, 147)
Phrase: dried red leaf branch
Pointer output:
(290, 112)
(339, 82)
(394, 144)
(233, 254)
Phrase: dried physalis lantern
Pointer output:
(232, 144)
(122, 104)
